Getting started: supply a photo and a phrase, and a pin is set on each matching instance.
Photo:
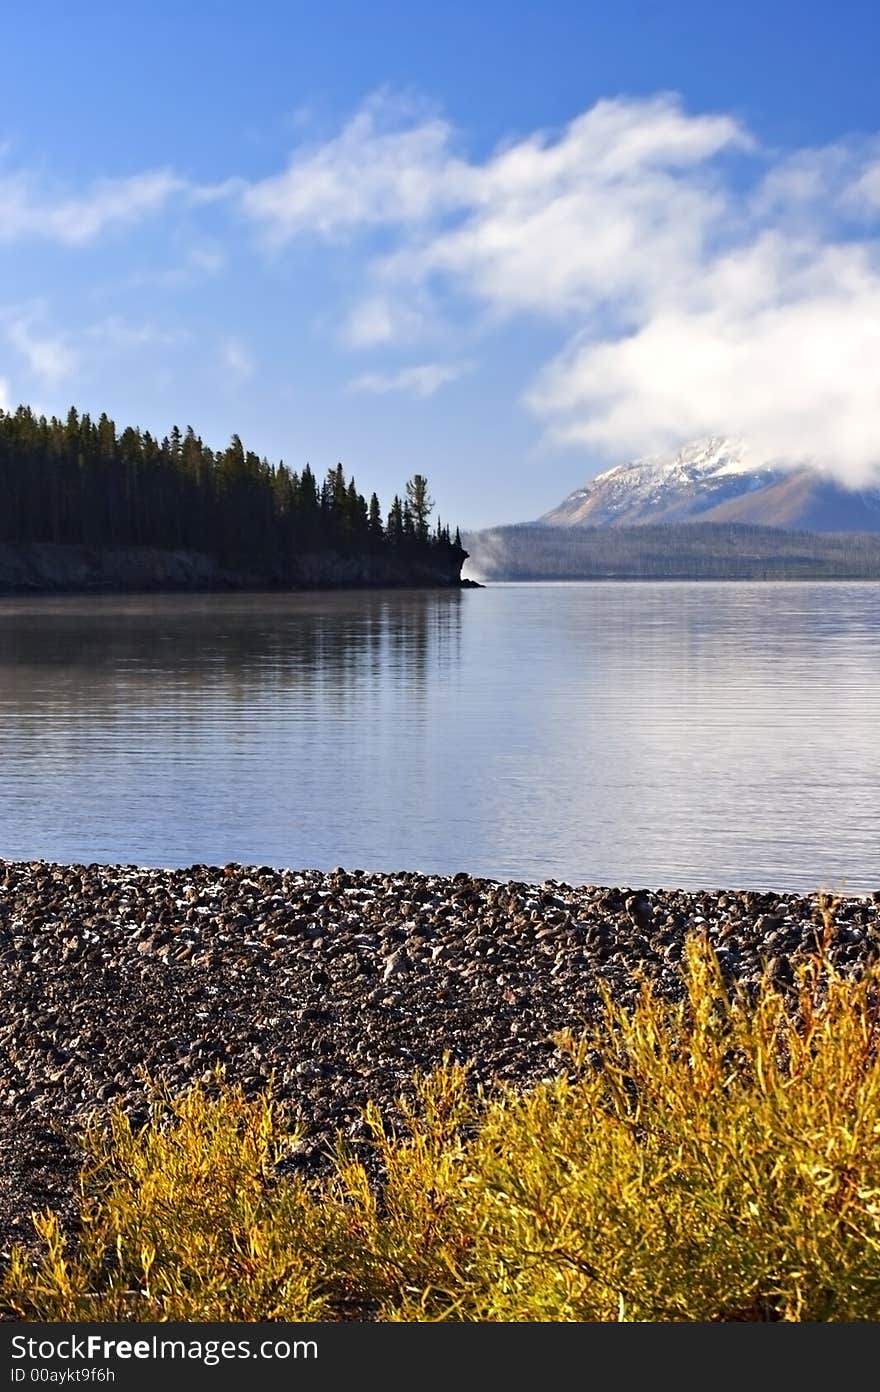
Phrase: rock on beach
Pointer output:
(338, 985)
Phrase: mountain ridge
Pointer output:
(717, 479)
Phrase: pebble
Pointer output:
(340, 984)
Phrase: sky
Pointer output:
(503, 244)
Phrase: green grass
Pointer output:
(722, 1163)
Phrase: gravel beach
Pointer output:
(340, 984)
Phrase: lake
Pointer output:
(656, 734)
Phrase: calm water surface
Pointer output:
(640, 734)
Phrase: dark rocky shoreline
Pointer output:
(339, 984)
(32, 568)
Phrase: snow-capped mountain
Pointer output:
(717, 480)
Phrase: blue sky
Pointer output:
(504, 244)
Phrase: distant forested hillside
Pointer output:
(79, 482)
(686, 551)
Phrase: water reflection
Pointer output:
(244, 635)
(619, 733)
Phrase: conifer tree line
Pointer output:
(80, 482)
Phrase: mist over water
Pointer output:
(655, 734)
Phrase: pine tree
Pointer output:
(395, 522)
(420, 505)
(374, 520)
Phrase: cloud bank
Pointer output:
(683, 279)
(699, 283)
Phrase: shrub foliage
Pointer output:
(713, 1159)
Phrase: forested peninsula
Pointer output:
(86, 507)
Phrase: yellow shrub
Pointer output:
(181, 1221)
(721, 1163)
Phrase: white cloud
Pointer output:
(703, 284)
(422, 379)
(556, 226)
(865, 188)
(375, 172)
(221, 192)
(4, 395)
(382, 319)
(26, 210)
(49, 356)
(238, 360)
(777, 340)
(541, 223)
